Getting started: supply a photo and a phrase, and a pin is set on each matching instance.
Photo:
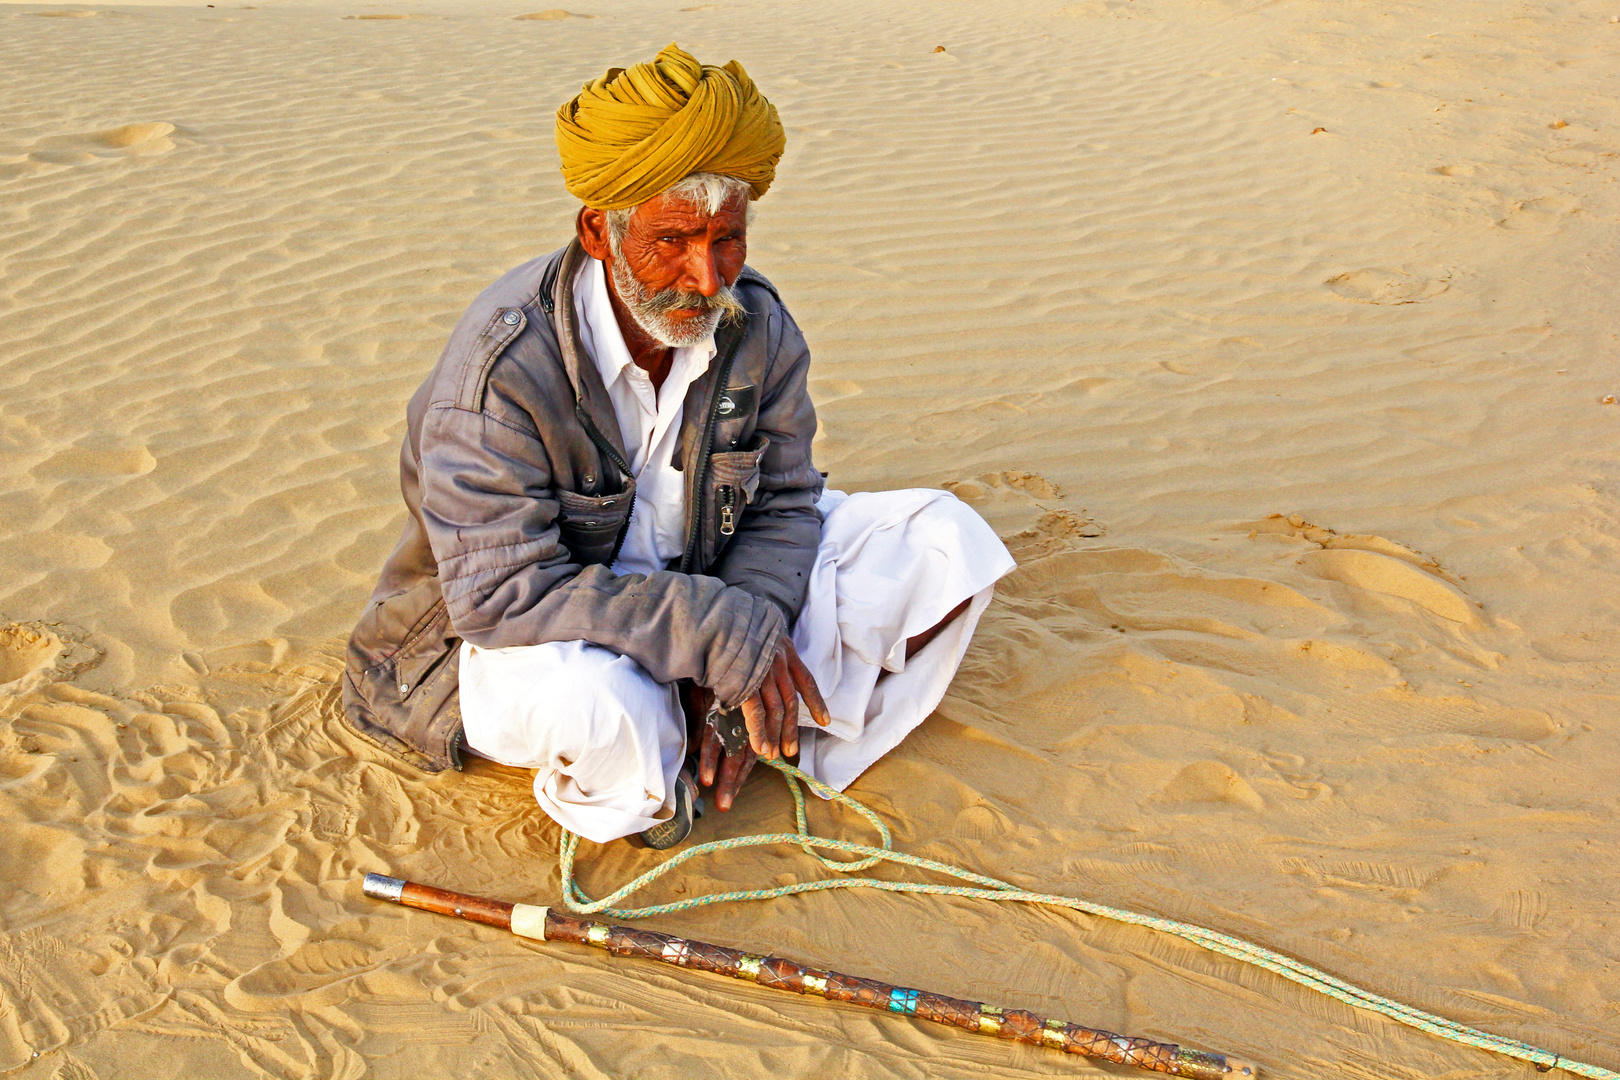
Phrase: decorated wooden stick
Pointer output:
(544, 924)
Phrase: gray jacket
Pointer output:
(519, 493)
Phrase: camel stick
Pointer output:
(545, 924)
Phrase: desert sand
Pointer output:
(1278, 339)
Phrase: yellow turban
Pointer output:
(634, 133)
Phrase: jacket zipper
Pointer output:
(728, 509)
(695, 533)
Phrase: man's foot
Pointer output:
(688, 808)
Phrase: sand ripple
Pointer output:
(1298, 439)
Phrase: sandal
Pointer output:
(688, 808)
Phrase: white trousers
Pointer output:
(606, 741)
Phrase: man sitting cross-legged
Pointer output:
(614, 516)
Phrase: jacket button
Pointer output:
(589, 479)
(590, 524)
(511, 318)
(404, 688)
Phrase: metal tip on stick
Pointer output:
(379, 887)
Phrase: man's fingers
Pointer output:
(754, 716)
(733, 771)
(806, 684)
(725, 789)
(788, 730)
(771, 729)
(709, 755)
(772, 714)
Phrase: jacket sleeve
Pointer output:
(778, 533)
(490, 513)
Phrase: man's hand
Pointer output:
(772, 716)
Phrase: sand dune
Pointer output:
(1276, 339)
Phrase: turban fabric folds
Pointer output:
(635, 132)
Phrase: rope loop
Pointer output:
(988, 888)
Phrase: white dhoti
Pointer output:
(606, 741)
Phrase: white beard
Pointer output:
(652, 310)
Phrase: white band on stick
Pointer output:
(529, 921)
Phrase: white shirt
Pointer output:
(649, 421)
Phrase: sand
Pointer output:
(1277, 338)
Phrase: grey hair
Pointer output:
(708, 191)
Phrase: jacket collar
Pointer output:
(561, 309)
(590, 394)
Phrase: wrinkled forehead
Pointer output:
(673, 213)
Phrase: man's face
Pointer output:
(676, 263)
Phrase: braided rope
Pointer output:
(989, 888)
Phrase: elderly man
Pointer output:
(618, 544)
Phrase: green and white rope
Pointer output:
(989, 888)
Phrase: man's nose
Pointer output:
(703, 276)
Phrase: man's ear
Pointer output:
(592, 228)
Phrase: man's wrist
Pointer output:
(767, 628)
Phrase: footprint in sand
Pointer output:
(1581, 157)
(984, 824)
(35, 653)
(1296, 526)
(1400, 712)
(551, 15)
(1380, 285)
(316, 974)
(1008, 500)
(1211, 782)
(1375, 564)
(1539, 215)
(24, 651)
(1372, 572)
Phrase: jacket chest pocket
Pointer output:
(591, 525)
(733, 483)
(736, 412)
